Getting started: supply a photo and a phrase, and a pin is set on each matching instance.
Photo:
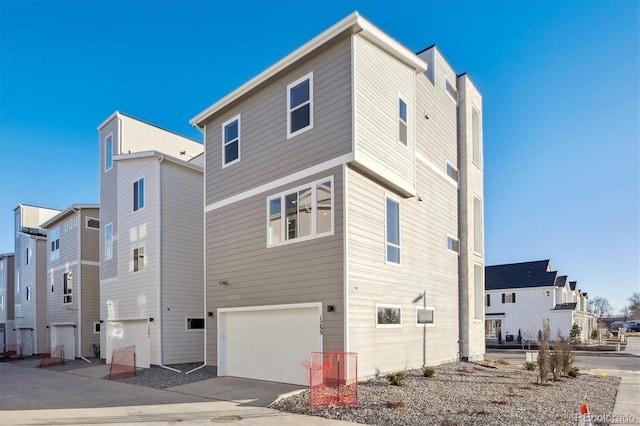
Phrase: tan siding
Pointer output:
(90, 308)
(377, 97)
(300, 272)
(182, 263)
(90, 236)
(266, 153)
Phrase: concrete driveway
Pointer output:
(31, 396)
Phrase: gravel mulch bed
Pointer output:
(76, 364)
(161, 378)
(470, 394)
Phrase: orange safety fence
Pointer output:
(333, 379)
(13, 351)
(123, 363)
(53, 356)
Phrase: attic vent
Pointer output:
(183, 152)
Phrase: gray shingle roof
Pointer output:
(561, 281)
(573, 284)
(519, 275)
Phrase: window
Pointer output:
(27, 259)
(452, 172)
(27, 292)
(300, 106)
(453, 244)
(67, 287)
(138, 194)
(1, 269)
(138, 259)
(488, 300)
(393, 231)
(388, 316)
(92, 223)
(425, 317)
(1, 302)
(477, 226)
(231, 141)
(108, 242)
(195, 323)
(546, 294)
(478, 291)
(508, 298)
(451, 90)
(96, 328)
(302, 213)
(108, 153)
(402, 121)
(475, 134)
(55, 244)
(17, 283)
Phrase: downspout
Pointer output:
(79, 286)
(159, 323)
(204, 245)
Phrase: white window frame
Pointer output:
(428, 324)
(401, 121)
(451, 171)
(447, 84)
(108, 251)
(478, 231)
(454, 241)
(96, 323)
(225, 142)
(140, 258)
(108, 154)
(314, 222)
(138, 198)
(55, 252)
(191, 330)
(309, 77)
(86, 222)
(67, 296)
(387, 305)
(386, 231)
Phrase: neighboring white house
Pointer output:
(343, 203)
(73, 286)
(525, 297)
(30, 297)
(151, 242)
(7, 323)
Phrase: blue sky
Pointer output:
(559, 79)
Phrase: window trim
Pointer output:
(110, 155)
(314, 197)
(108, 255)
(139, 259)
(225, 143)
(67, 296)
(138, 198)
(387, 305)
(191, 330)
(513, 297)
(387, 196)
(86, 223)
(54, 254)
(94, 327)
(454, 239)
(428, 324)
(309, 77)
(401, 121)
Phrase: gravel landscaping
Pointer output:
(161, 378)
(470, 394)
(76, 364)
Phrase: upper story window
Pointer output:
(108, 242)
(402, 121)
(453, 244)
(477, 142)
(546, 295)
(17, 283)
(27, 259)
(301, 214)
(92, 223)
(452, 172)
(1, 302)
(488, 300)
(67, 287)
(108, 153)
(393, 230)
(138, 259)
(477, 226)
(300, 106)
(508, 298)
(231, 141)
(27, 293)
(1, 269)
(451, 90)
(138, 194)
(54, 239)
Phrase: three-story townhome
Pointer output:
(30, 279)
(343, 210)
(151, 242)
(7, 322)
(73, 287)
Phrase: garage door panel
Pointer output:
(64, 335)
(269, 344)
(121, 334)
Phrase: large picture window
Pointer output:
(393, 230)
(231, 141)
(388, 316)
(302, 213)
(300, 106)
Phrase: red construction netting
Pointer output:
(333, 379)
(13, 351)
(54, 356)
(123, 363)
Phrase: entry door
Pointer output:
(64, 335)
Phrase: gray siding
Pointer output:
(182, 263)
(7, 288)
(266, 153)
(299, 272)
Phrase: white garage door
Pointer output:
(268, 342)
(129, 333)
(63, 335)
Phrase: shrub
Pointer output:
(428, 371)
(530, 366)
(544, 367)
(487, 359)
(519, 338)
(573, 372)
(502, 361)
(397, 379)
(574, 334)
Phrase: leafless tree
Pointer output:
(634, 306)
(600, 306)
